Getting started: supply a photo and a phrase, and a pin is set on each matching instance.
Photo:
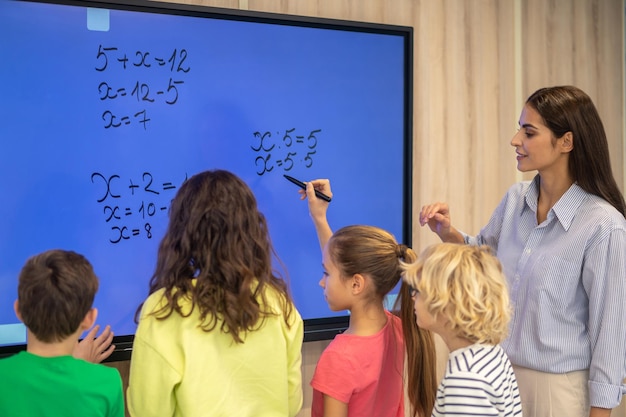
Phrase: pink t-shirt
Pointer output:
(366, 372)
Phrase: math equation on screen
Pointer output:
(130, 206)
(167, 73)
(284, 150)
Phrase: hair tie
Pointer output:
(401, 250)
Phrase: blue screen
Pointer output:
(106, 112)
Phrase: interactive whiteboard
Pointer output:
(107, 109)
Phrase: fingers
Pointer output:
(318, 206)
(92, 333)
(94, 348)
(322, 185)
(105, 354)
(436, 211)
(105, 338)
(310, 190)
(319, 186)
(103, 344)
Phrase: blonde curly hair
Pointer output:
(466, 285)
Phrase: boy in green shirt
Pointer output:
(56, 290)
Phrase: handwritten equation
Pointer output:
(131, 206)
(284, 149)
(167, 74)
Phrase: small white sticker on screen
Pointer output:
(98, 19)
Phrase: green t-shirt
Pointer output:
(62, 386)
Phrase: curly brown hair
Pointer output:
(217, 252)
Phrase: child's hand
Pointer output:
(317, 206)
(95, 349)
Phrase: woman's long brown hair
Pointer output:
(569, 109)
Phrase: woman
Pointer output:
(562, 241)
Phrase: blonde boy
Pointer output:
(460, 293)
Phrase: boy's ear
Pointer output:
(90, 319)
(358, 284)
(16, 307)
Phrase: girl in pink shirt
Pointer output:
(361, 372)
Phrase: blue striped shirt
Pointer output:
(479, 381)
(567, 279)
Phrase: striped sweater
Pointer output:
(479, 381)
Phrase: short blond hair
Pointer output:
(466, 285)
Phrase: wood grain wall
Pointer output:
(475, 62)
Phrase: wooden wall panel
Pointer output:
(464, 103)
(580, 42)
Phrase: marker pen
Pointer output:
(302, 185)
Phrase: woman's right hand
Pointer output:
(437, 217)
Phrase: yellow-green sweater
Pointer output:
(177, 369)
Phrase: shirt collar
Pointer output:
(565, 209)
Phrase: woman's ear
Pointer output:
(567, 142)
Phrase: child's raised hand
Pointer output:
(317, 206)
(95, 349)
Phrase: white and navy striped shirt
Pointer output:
(567, 279)
(479, 381)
